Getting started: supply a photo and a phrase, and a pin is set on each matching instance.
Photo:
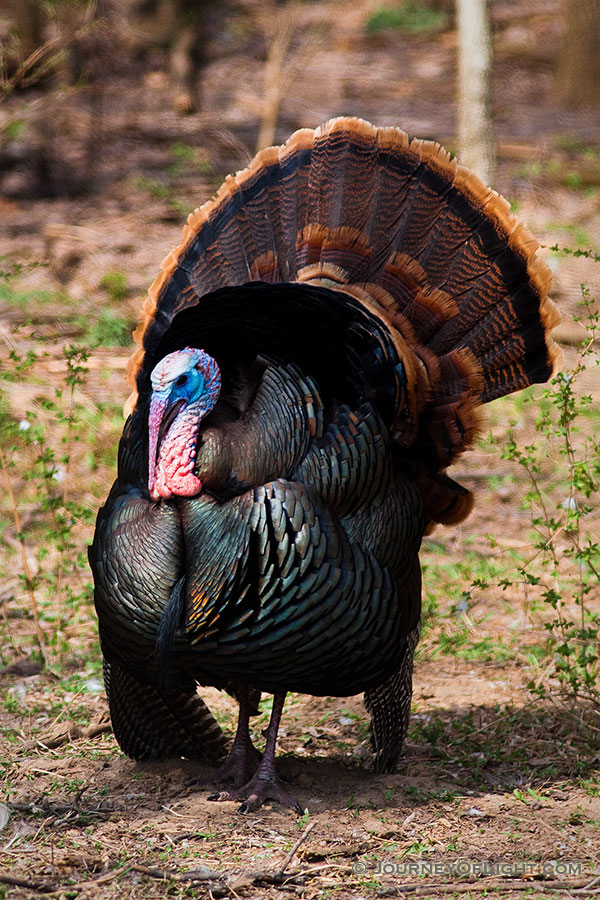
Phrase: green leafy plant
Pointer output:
(565, 568)
(560, 576)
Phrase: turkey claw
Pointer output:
(253, 803)
(254, 794)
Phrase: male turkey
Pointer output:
(312, 358)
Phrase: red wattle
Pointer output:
(173, 474)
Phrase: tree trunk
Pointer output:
(475, 129)
(578, 73)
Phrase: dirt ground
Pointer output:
(496, 791)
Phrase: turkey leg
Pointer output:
(264, 784)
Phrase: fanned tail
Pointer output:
(433, 258)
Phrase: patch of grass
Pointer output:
(187, 162)
(591, 786)
(411, 17)
(158, 190)
(11, 704)
(452, 628)
(574, 145)
(115, 285)
(419, 847)
(12, 130)
(574, 180)
(577, 234)
(12, 296)
(579, 173)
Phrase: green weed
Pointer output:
(109, 330)
(25, 299)
(565, 566)
(558, 577)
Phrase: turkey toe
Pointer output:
(256, 792)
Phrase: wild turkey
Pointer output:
(312, 358)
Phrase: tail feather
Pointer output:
(342, 176)
(389, 199)
(214, 264)
(268, 216)
(294, 176)
(254, 214)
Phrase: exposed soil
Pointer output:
(490, 775)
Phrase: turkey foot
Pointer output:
(264, 784)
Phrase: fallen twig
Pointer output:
(294, 849)
(218, 882)
(202, 874)
(15, 881)
(60, 809)
(67, 735)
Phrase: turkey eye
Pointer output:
(181, 380)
